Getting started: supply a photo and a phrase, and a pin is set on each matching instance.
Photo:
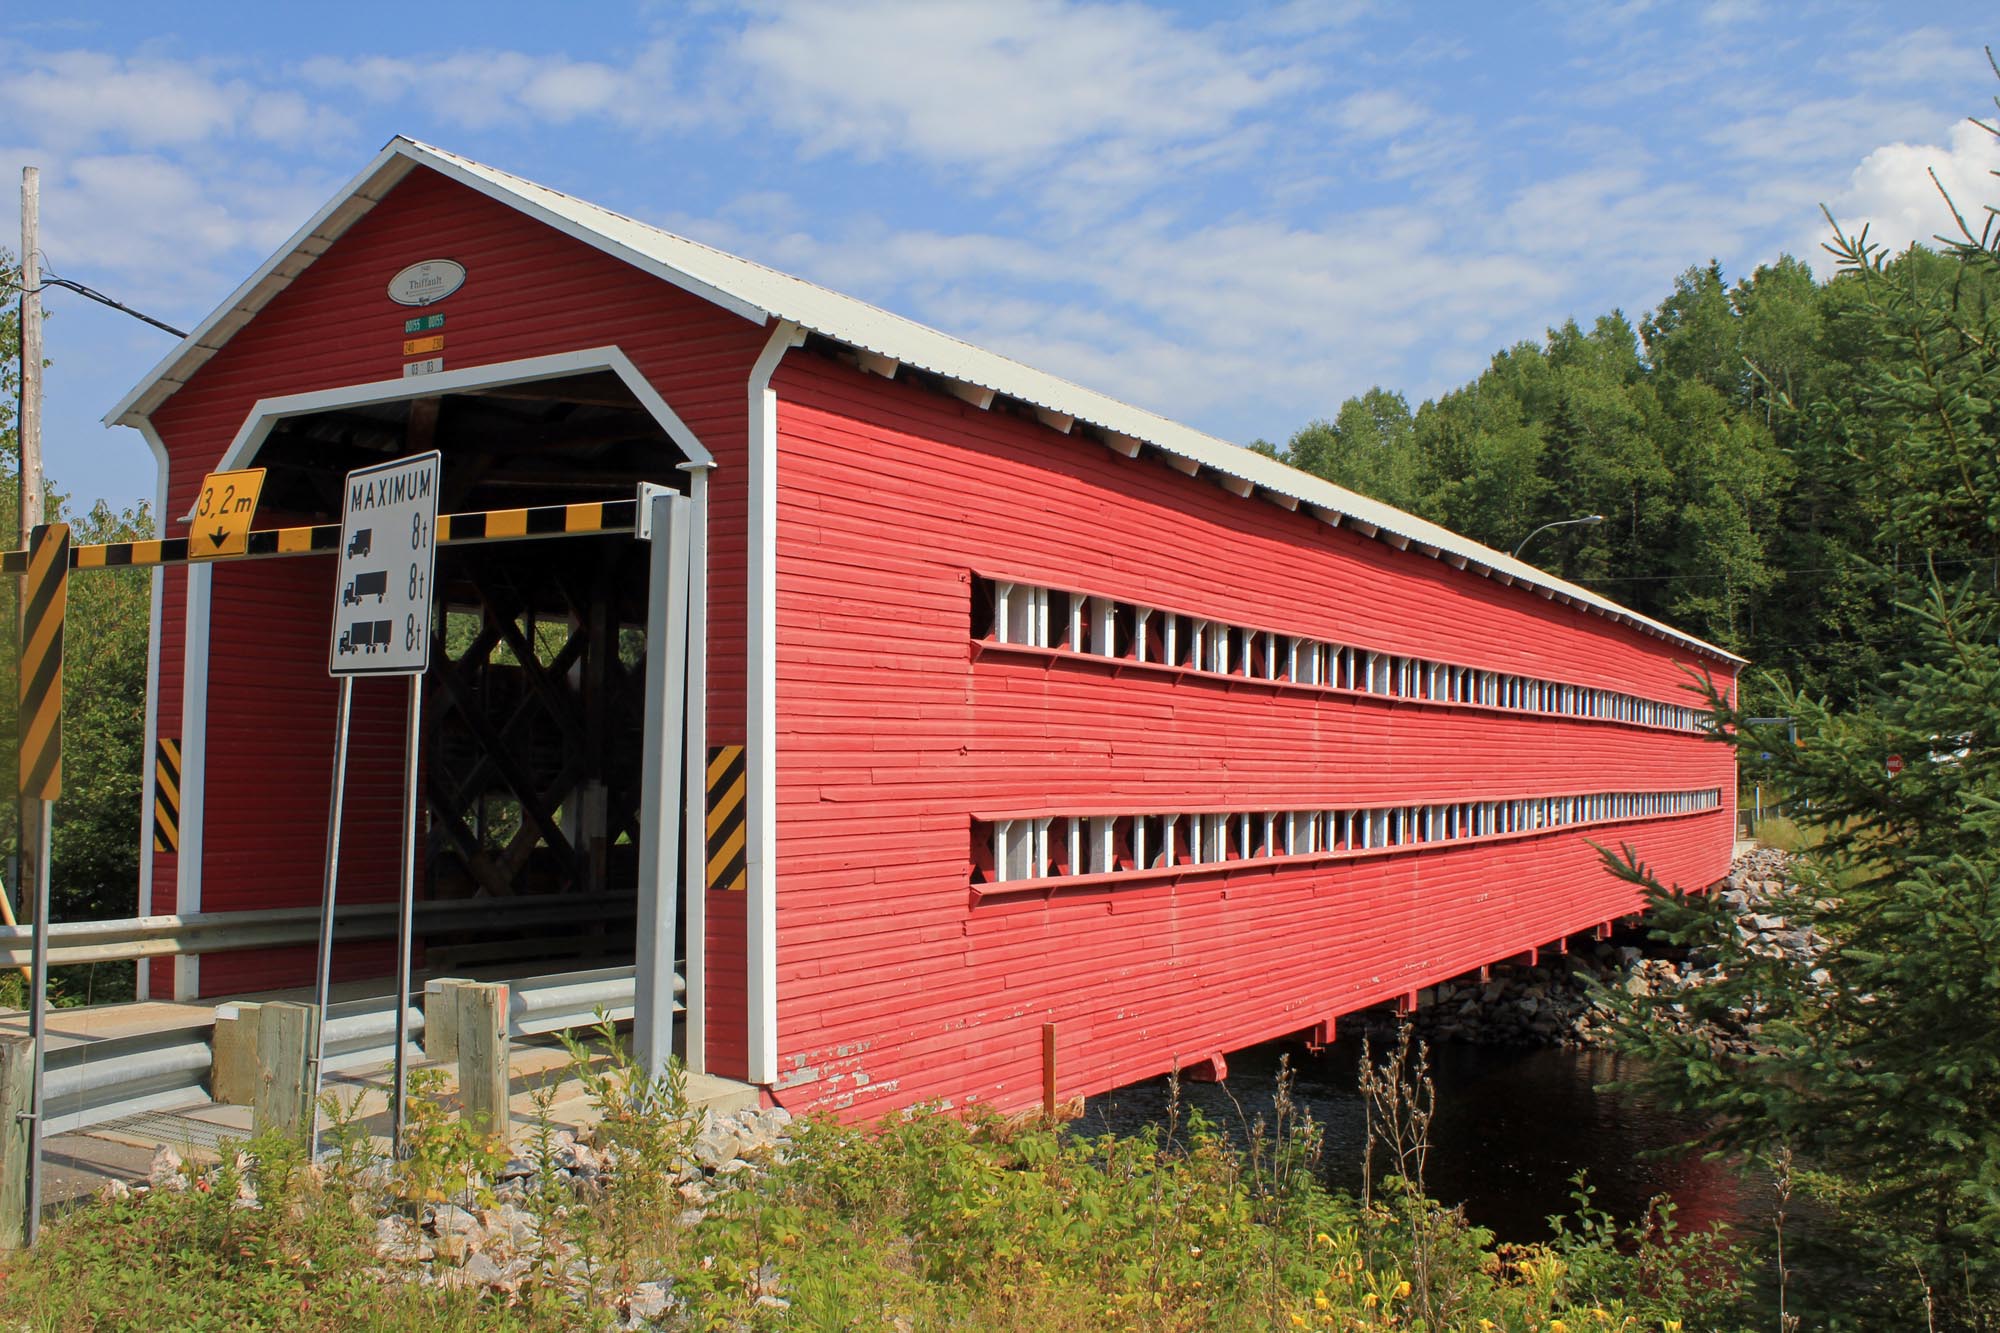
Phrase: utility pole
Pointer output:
(30, 420)
(29, 425)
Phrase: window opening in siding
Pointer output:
(1028, 615)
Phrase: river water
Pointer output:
(1513, 1126)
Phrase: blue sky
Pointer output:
(1236, 215)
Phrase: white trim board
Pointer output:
(268, 412)
(694, 842)
(194, 765)
(760, 755)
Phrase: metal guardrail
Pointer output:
(93, 1082)
(133, 938)
(560, 1001)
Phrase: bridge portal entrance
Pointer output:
(535, 770)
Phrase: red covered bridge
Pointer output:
(1008, 704)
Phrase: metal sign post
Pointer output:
(44, 600)
(381, 627)
(323, 974)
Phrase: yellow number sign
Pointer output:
(222, 515)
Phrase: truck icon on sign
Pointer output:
(374, 583)
(360, 542)
(365, 636)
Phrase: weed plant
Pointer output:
(932, 1220)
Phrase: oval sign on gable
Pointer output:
(427, 283)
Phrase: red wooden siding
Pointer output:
(529, 291)
(896, 984)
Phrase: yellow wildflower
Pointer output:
(1370, 1300)
(1558, 1326)
(1320, 1302)
(1402, 1290)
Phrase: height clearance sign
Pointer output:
(388, 552)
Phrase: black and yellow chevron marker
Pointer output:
(727, 789)
(571, 520)
(44, 596)
(167, 795)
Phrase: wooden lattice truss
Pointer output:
(536, 714)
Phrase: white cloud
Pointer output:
(168, 232)
(1817, 132)
(82, 97)
(163, 177)
(1247, 323)
(78, 101)
(481, 89)
(1729, 13)
(1891, 192)
(1380, 113)
(1915, 57)
(1004, 90)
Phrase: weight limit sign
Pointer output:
(388, 553)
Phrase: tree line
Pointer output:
(95, 865)
(1740, 445)
(1806, 472)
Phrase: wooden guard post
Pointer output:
(483, 1055)
(234, 1074)
(1049, 1071)
(441, 1019)
(17, 1071)
(283, 1098)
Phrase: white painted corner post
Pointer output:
(194, 765)
(761, 723)
(665, 521)
(694, 840)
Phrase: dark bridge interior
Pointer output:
(584, 437)
(533, 705)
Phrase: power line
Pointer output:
(92, 294)
(50, 279)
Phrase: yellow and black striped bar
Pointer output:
(44, 597)
(726, 792)
(542, 521)
(167, 795)
(573, 520)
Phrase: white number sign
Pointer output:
(388, 553)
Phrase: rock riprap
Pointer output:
(1555, 1003)
(499, 1235)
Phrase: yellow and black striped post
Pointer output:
(167, 795)
(726, 790)
(44, 596)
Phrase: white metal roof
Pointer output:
(763, 294)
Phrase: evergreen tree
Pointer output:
(1878, 1063)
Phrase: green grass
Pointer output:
(928, 1221)
(1787, 835)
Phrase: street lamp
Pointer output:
(1586, 520)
